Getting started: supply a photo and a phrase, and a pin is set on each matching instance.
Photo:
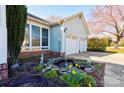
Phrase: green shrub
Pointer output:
(112, 44)
(51, 73)
(98, 66)
(73, 80)
(38, 68)
(79, 79)
(121, 43)
(88, 81)
(97, 44)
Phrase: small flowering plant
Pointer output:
(77, 65)
(73, 79)
(70, 66)
(73, 72)
(77, 78)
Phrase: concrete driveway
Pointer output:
(114, 75)
(114, 58)
(114, 66)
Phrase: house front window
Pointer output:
(35, 35)
(36, 38)
(44, 38)
(26, 41)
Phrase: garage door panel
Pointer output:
(71, 45)
(82, 45)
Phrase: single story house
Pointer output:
(64, 37)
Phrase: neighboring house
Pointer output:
(64, 37)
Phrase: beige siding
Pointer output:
(75, 26)
(37, 23)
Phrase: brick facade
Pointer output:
(3, 71)
(36, 53)
(57, 54)
(33, 53)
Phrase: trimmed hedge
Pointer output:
(121, 43)
(97, 44)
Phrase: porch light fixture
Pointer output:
(65, 29)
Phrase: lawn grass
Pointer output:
(115, 50)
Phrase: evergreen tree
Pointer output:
(16, 17)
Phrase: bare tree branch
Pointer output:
(108, 19)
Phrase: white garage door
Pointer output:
(82, 45)
(71, 45)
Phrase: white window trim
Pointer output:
(40, 38)
(48, 39)
(27, 46)
(32, 47)
(44, 46)
(30, 43)
(48, 47)
(35, 47)
(30, 39)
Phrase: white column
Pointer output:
(62, 40)
(49, 38)
(40, 38)
(30, 31)
(3, 35)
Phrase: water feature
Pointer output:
(64, 62)
(85, 66)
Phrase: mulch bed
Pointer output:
(99, 75)
(24, 76)
(28, 80)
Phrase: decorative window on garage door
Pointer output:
(71, 36)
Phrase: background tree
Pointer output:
(16, 21)
(108, 19)
(54, 18)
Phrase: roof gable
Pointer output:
(44, 21)
(81, 16)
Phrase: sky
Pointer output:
(44, 11)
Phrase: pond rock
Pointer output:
(63, 70)
(89, 69)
